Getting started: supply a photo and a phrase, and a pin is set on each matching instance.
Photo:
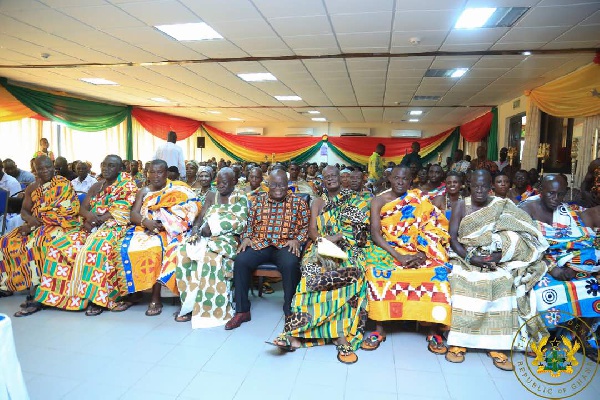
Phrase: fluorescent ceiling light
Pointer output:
(458, 72)
(258, 77)
(314, 112)
(474, 18)
(413, 120)
(235, 119)
(193, 31)
(98, 81)
(159, 99)
(288, 98)
(213, 112)
(415, 112)
(319, 119)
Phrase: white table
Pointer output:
(12, 384)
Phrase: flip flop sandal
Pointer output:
(436, 345)
(28, 299)
(287, 347)
(5, 293)
(31, 307)
(456, 354)
(154, 309)
(501, 361)
(122, 306)
(94, 310)
(345, 354)
(372, 341)
(267, 289)
(183, 318)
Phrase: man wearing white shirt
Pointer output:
(84, 180)
(12, 186)
(172, 154)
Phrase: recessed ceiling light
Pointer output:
(413, 120)
(526, 53)
(258, 77)
(159, 99)
(319, 119)
(288, 98)
(235, 119)
(415, 112)
(213, 112)
(458, 72)
(474, 18)
(193, 31)
(99, 81)
(314, 112)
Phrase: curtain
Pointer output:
(83, 115)
(21, 140)
(574, 95)
(586, 147)
(477, 129)
(532, 137)
(492, 140)
(159, 124)
(12, 109)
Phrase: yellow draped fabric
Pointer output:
(574, 95)
(12, 109)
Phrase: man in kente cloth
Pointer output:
(497, 262)
(50, 208)
(406, 272)
(82, 269)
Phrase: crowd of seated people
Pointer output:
(465, 249)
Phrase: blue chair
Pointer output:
(4, 195)
(81, 196)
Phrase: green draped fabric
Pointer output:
(451, 140)
(82, 115)
(492, 147)
(129, 135)
(341, 155)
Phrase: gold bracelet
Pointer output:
(142, 221)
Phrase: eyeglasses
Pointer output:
(278, 186)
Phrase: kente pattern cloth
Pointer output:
(461, 166)
(485, 164)
(274, 223)
(438, 191)
(375, 167)
(528, 193)
(147, 256)
(140, 179)
(56, 205)
(410, 223)
(488, 307)
(301, 186)
(83, 267)
(330, 300)
(572, 244)
(204, 272)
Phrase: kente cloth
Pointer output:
(56, 205)
(438, 191)
(489, 307)
(572, 244)
(461, 166)
(330, 300)
(204, 272)
(527, 194)
(83, 267)
(140, 179)
(410, 223)
(301, 186)
(146, 256)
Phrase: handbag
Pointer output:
(327, 248)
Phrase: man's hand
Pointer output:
(25, 229)
(294, 246)
(92, 219)
(489, 262)
(206, 231)
(563, 273)
(335, 238)
(154, 226)
(245, 243)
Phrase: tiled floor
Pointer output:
(66, 355)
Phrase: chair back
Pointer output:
(4, 195)
(81, 196)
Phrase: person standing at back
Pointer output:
(172, 154)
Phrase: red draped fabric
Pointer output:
(159, 124)
(477, 129)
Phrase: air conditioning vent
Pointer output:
(249, 131)
(299, 132)
(406, 133)
(355, 131)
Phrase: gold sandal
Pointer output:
(456, 354)
(501, 361)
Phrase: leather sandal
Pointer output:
(345, 354)
(436, 344)
(456, 354)
(283, 342)
(501, 361)
(372, 341)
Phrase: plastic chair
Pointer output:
(81, 196)
(4, 195)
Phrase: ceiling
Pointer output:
(365, 89)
